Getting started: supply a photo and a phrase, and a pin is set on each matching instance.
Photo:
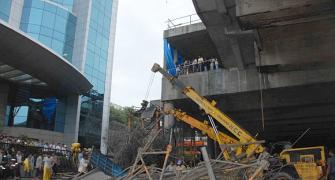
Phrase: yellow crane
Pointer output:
(218, 136)
(305, 163)
(221, 137)
(243, 136)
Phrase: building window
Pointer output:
(53, 25)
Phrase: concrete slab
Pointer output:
(192, 41)
(40, 62)
(262, 13)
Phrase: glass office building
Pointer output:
(82, 33)
(50, 23)
(5, 9)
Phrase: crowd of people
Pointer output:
(27, 157)
(197, 65)
(16, 164)
(24, 141)
(35, 159)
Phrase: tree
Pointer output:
(119, 115)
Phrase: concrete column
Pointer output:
(108, 82)
(82, 9)
(169, 120)
(4, 89)
(15, 13)
(71, 128)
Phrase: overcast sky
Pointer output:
(139, 44)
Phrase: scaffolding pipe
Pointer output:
(208, 165)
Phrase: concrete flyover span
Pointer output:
(21, 56)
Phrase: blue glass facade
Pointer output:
(95, 71)
(68, 4)
(54, 23)
(51, 24)
(5, 9)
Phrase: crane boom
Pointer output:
(209, 107)
(203, 127)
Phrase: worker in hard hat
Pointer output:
(179, 168)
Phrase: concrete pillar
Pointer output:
(82, 9)
(4, 89)
(71, 127)
(108, 82)
(15, 13)
(169, 120)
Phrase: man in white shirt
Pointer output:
(177, 70)
(216, 62)
(45, 147)
(83, 163)
(194, 65)
(211, 65)
(200, 62)
(38, 166)
(58, 148)
(19, 157)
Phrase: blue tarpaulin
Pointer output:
(180, 59)
(168, 54)
(49, 108)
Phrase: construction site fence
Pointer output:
(65, 157)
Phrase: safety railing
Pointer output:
(183, 21)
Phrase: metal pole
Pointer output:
(207, 163)
(168, 151)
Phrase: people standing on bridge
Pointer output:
(206, 64)
(186, 66)
(216, 63)
(211, 66)
(194, 65)
(200, 63)
(177, 70)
